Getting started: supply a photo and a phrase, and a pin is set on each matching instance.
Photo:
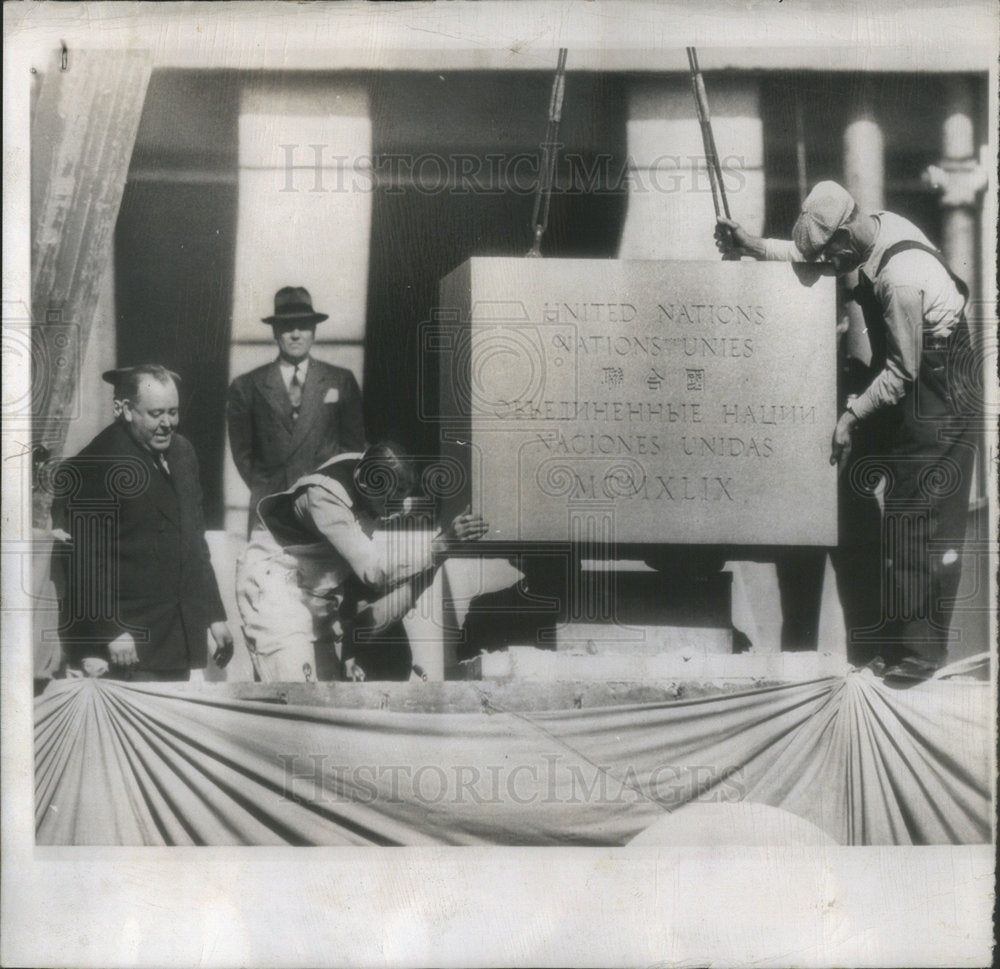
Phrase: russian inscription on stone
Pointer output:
(675, 402)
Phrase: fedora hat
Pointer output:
(293, 304)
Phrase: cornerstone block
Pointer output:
(669, 402)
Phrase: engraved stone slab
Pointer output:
(646, 402)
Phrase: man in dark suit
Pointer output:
(288, 417)
(140, 593)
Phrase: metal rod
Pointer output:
(800, 148)
(719, 200)
(547, 166)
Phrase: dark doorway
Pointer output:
(174, 282)
(175, 251)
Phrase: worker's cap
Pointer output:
(827, 208)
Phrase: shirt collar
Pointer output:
(287, 369)
(870, 266)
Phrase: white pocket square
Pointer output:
(332, 396)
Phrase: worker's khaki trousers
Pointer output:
(292, 635)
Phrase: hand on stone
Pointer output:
(467, 527)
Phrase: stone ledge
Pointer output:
(488, 697)
(521, 663)
(597, 639)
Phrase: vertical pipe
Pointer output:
(958, 225)
(864, 163)
(958, 221)
(800, 148)
(864, 178)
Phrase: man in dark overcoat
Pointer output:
(140, 594)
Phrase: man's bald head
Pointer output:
(147, 403)
(126, 380)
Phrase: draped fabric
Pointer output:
(135, 764)
(84, 126)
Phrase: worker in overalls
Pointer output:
(918, 409)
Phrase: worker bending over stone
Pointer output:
(919, 399)
(318, 596)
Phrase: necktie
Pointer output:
(295, 392)
(164, 467)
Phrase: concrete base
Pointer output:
(486, 696)
(524, 663)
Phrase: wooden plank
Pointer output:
(83, 131)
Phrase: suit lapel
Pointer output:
(312, 401)
(274, 391)
(160, 491)
(164, 491)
